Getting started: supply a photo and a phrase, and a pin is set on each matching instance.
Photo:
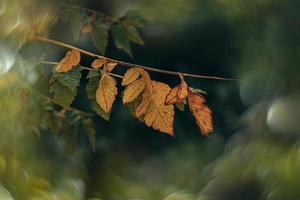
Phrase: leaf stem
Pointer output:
(130, 65)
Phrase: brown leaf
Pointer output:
(178, 93)
(71, 60)
(130, 76)
(98, 63)
(158, 115)
(201, 113)
(110, 66)
(133, 90)
(106, 92)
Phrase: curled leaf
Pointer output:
(110, 66)
(201, 112)
(71, 60)
(178, 93)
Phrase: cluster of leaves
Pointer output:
(152, 102)
(47, 116)
(99, 26)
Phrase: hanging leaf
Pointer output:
(201, 113)
(106, 92)
(120, 37)
(69, 79)
(71, 60)
(180, 106)
(90, 132)
(133, 90)
(99, 36)
(98, 63)
(91, 91)
(178, 93)
(130, 76)
(158, 115)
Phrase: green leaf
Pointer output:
(134, 35)
(62, 95)
(134, 18)
(120, 37)
(90, 132)
(75, 18)
(70, 79)
(99, 36)
(93, 73)
(91, 94)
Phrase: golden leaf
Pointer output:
(71, 60)
(98, 63)
(178, 93)
(106, 92)
(133, 90)
(201, 113)
(130, 76)
(110, 66)
(160, 116)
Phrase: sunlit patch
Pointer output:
(283, 115)
(7, 59)
(2, 6)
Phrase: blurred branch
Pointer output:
(126, 64)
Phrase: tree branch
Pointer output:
(130, 65)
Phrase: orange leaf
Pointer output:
(201, 113)
(110, 66)
(131, 75)
(106, 92)
(71, 59)
(98, 63)
(133, 90)
(178, 93)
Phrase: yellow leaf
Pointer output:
(71, 60)
(201, 113)
(110, 66)
(178, 93)
(98, 63)
(160, 116)
(130, 76)
(133, 90)
(106, 92)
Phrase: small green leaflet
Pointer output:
(93, 73)
(70, 79)
(99, 36)
(119, 33)
(62, 95)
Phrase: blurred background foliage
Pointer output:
(253, 153)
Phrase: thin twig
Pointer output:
(82, 67)
(134, 65)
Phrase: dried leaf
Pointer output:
(178, 93)
(201, 113)
(98, 63)
(160, 116)
(130, 76)
(110, 66)
(71, 60)
(133, 90)
(106, 92)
